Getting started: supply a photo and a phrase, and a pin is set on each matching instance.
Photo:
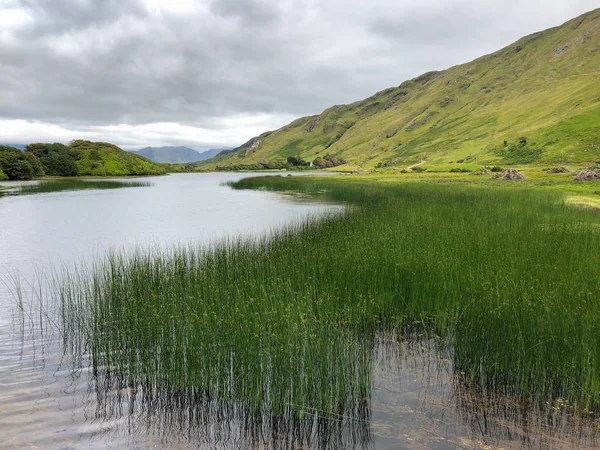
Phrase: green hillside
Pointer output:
(536, 101)
(85, 158)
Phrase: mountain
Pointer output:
(19, 146)
(178, 155)
(535, 101)
(208, 154)
(171, 155)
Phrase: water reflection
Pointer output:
(417, 401)
(53, 396)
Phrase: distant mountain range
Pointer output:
(177, 155)
(19, 146)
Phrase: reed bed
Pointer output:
(47, 186)
(284, 328)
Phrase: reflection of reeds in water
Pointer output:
(280, 333)
(498, 418)
(198, 418)
(418, 392)
(47, 186)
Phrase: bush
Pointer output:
(277, 164)
(557, 170)
(3, 175)
(320, 163)
(328, 161)
(296, 161)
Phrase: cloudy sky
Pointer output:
(215, 73)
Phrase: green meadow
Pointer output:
(282, 330)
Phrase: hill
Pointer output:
(171, 155)
(535, 101)
(79, 158)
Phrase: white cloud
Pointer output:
(222, 133)
(13, 18)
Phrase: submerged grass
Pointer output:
(284, 328)
(47, 186)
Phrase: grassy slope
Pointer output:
(103, 159)
(545, 87)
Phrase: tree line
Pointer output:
(292, 163)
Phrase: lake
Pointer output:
(49, 399)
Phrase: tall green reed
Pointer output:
(283, 328)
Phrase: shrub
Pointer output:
(296, 161)
(557, 170)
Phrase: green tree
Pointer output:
(14, 164)
(38, 168)
(57, 159)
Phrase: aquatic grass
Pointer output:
(47, 186)
(283, 329)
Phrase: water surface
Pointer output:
(48, 399)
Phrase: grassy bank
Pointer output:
(283, 329)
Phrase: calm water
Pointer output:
(45, 403)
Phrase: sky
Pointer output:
(215, 73)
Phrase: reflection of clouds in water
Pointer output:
(43, 235)
(53, 230)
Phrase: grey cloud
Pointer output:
(251, 12)
(63, 16)
(174, 70)
(94, 63)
